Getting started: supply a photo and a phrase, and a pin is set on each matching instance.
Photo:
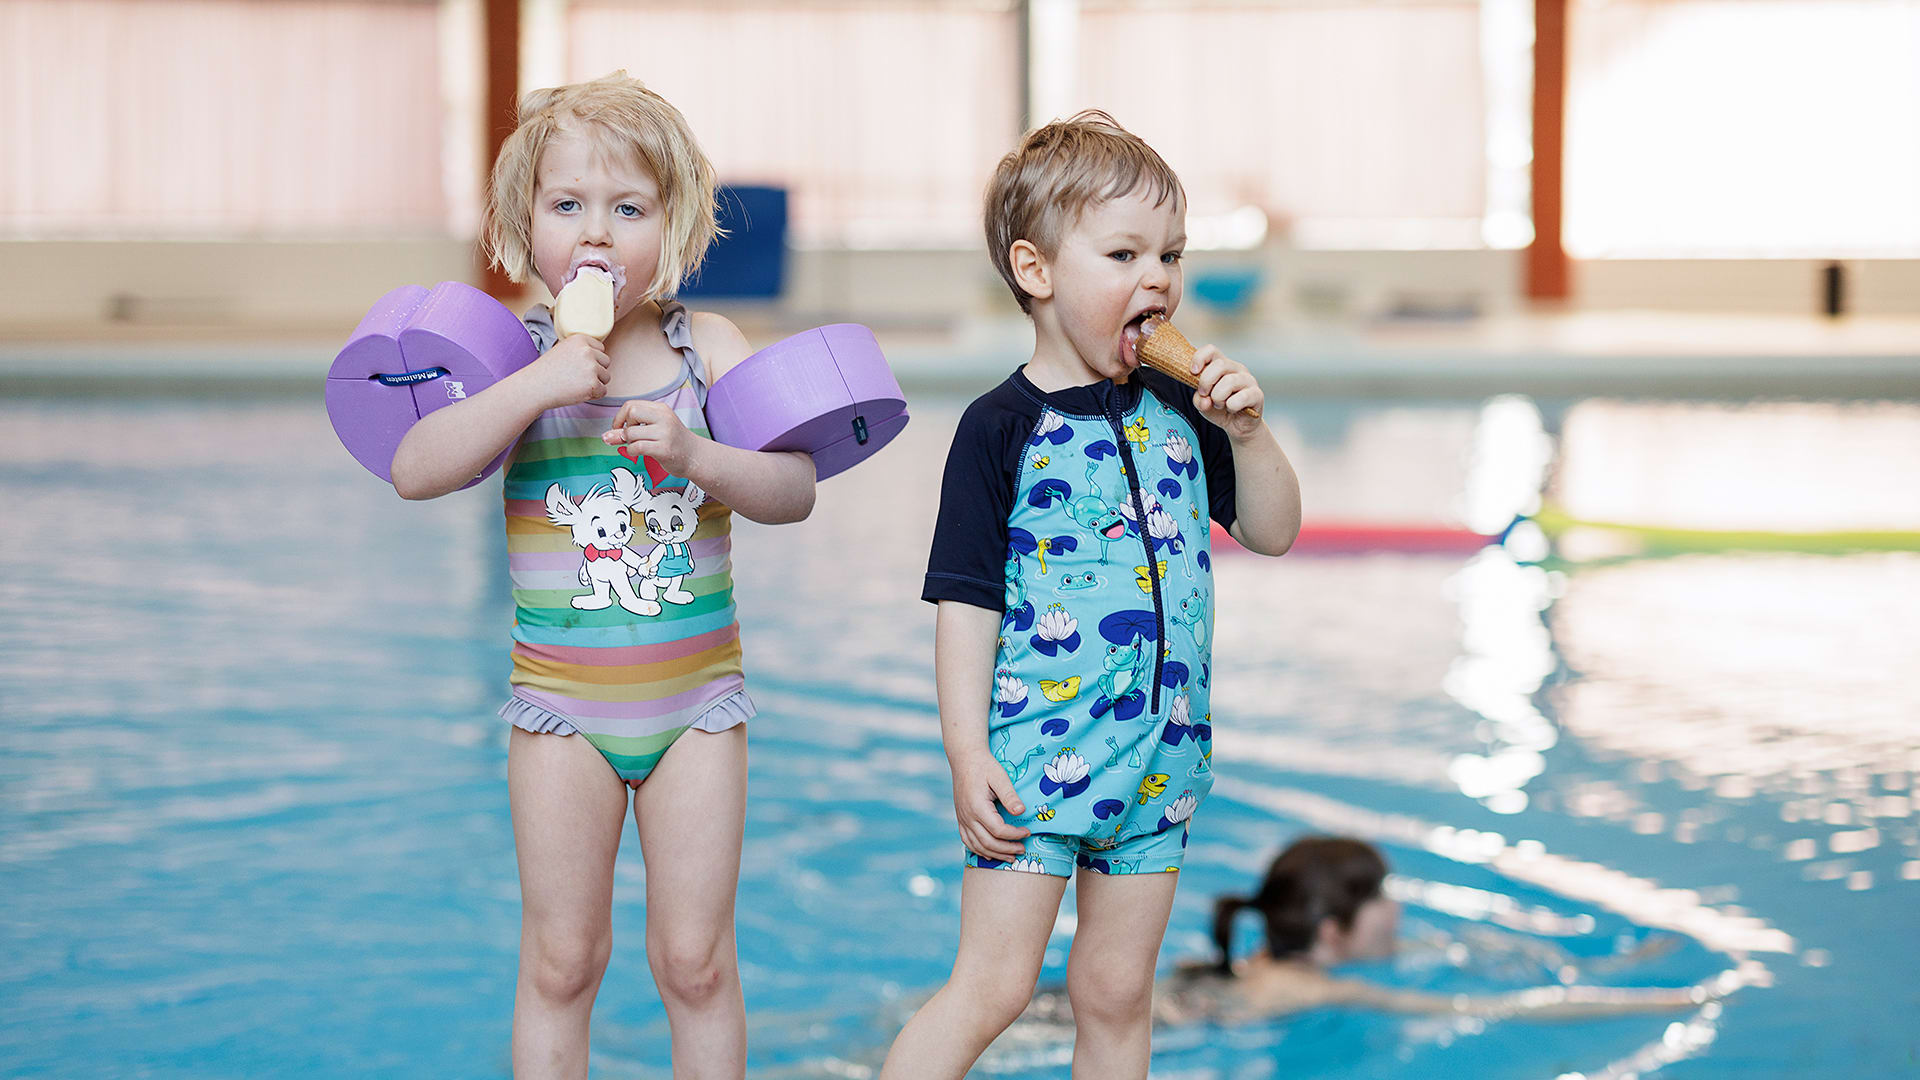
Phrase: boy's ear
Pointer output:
(1030, 270)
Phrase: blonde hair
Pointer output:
(619, 115)
(1040, 189)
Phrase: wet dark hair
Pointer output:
(1315, 878)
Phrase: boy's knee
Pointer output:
(687, 972)
(563, 967)
(997, 998)
(1109, 996)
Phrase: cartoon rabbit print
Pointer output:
(671, 517)
(601, 522)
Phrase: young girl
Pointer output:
(1323, 904)
(626, 660)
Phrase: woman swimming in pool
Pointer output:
(1323, 905)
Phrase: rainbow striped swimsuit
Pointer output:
(624, 628)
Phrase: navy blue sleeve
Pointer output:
(1215, 449)
(969, 559)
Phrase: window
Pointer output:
(1751, 128)
(1363, 124)
(883, 119)
(221, 117)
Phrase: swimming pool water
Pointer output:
(253, 813)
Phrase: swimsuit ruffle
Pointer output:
(730, 711)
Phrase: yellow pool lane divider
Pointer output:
(1611, 539)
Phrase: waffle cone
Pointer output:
(1167, 351)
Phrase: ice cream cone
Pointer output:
(1166, 350)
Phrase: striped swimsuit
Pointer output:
(624, 627)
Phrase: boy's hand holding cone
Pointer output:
(1166, 350)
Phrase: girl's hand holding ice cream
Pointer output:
(573, 371)
(577, 367)
(652, 429)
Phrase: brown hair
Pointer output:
(621, 116)
(1314, 879)
(1040, 189)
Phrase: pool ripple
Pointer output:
(253, 814)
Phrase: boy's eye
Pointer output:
(1171, 257)
(1120, 256)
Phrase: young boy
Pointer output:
(1075, 594)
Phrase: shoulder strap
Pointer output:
(539, 323)
(677, 325)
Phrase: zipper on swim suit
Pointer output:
(1133, 480)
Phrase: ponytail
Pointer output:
(1224, 909)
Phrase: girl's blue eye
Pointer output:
(627, 210)
(566, 206)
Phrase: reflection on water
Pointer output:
(1753, 666)
(1787, 466)
(1506, 656)
(252, 818)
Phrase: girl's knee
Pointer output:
(689, 972)
(565, 966)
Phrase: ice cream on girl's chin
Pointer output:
(585, 303)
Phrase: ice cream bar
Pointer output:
(1167, 350)
(585, 304)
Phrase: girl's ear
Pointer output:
(1328, 935)
(1030, 270)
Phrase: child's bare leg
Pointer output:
(1110, 971)
(568, 808)
(691, 812)
(1005, 917)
